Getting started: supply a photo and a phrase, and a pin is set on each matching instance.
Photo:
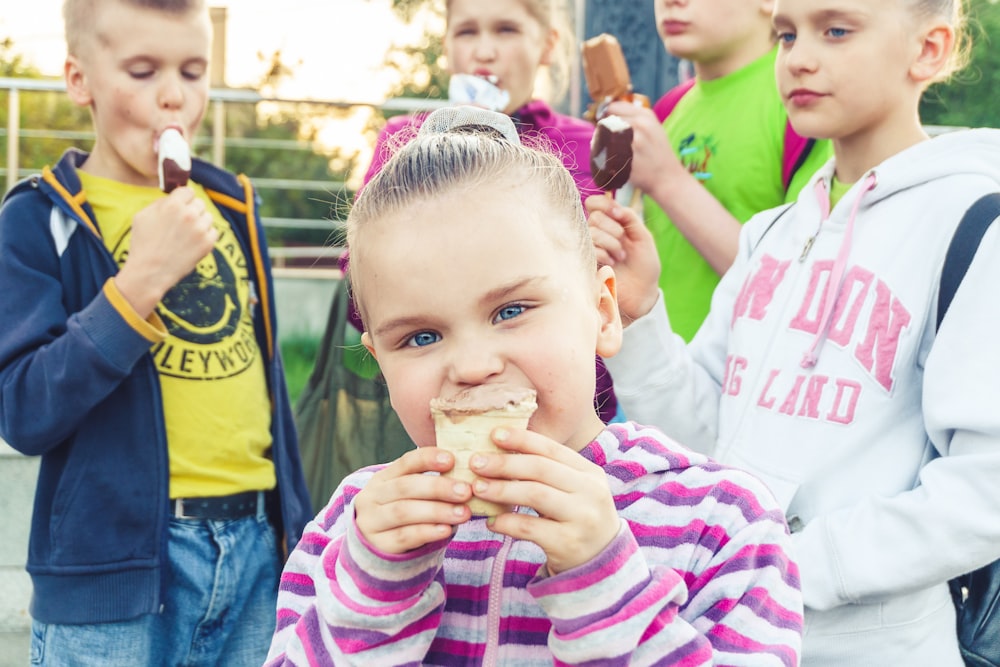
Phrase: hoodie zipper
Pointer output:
(493, 607)
(823, 199)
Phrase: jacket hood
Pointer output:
(961, 154)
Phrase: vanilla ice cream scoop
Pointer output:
(174, 160)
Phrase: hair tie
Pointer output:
(450, 119)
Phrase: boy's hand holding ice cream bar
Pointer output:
(463, 424)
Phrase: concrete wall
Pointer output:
(303, 297)
(17, 490)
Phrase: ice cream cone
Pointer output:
(463, 425)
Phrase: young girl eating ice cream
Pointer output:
(472, 265)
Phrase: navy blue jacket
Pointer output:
(78, 387)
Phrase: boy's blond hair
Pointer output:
(78, 16)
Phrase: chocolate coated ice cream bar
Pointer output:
(611, 153)
(174, 160)
(605, 68)
(607, 74)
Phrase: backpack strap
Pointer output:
(796, 147)
(666, 104)
(963, 248)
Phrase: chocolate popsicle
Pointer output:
(173, 159)
(607, 75)
(605, 68)
(611, 154)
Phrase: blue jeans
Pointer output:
(219, 606)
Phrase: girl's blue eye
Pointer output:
(509, 312)
(786, 37)
(838, 32)
(423, 338)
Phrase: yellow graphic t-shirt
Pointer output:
(215, 399)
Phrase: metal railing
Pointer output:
(219, 100)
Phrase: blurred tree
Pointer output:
(407, 9)
(972, 97)
(420, 69)
(11, 62)
(419, 66)
(259, 147)
(52, 110)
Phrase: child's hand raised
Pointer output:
(653, 159)
(169, 238)
(402, 509)
(623, 242)
(577, 515)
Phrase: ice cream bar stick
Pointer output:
(636, 201)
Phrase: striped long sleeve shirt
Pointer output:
(698, 574)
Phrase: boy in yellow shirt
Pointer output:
(143, 369)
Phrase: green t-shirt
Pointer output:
(730, 133)
(838, 190)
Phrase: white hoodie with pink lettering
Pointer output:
(878, 434)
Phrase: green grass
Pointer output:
(298, 352)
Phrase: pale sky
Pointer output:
(341, 44)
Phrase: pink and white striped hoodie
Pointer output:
(699, 574)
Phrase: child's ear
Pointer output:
(935, 48)
(366, 340)
(609, 336)
(551, 41)
(76, 82)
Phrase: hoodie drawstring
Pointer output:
(833, 287)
